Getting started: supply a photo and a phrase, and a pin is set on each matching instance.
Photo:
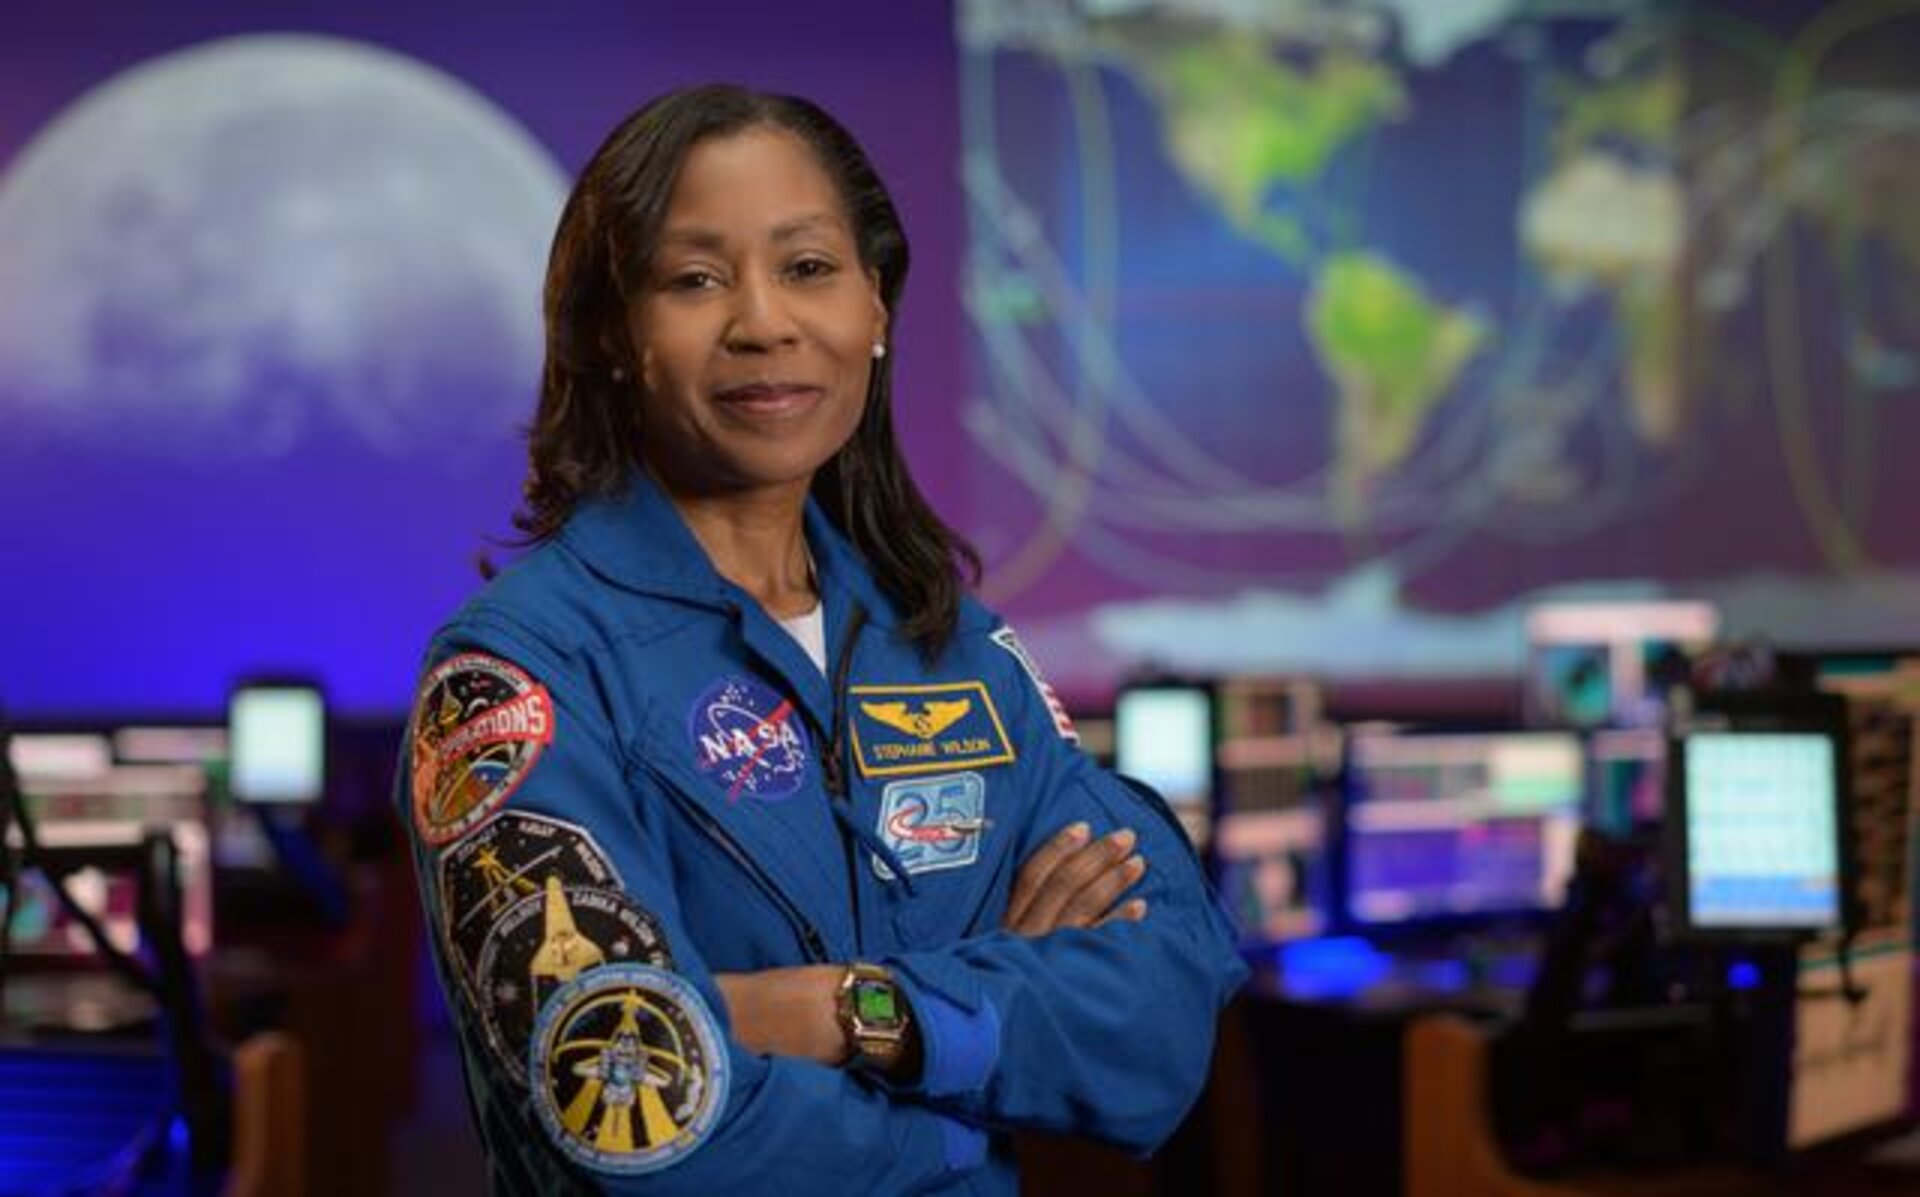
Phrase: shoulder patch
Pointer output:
(1062, 722)
(925, 728)
(546, 940)
(629, 1069)
(501, 864)
(478, 727)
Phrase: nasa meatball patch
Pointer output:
(749, 740)
(479, 726)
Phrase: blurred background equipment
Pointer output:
(1163, 735)
(277, 743)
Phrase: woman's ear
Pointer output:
(617, 350)
(879, 307)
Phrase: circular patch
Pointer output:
(547, 940)
(629, 1069)
(749, 739)
(501, 862)
(478, 728)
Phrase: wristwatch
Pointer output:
(874, 1017)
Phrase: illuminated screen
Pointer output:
(277, 736)
(1272, 873)
(1163, 736)
(1241, 403)
(1628, 777)
(107, 805)
(1598, 664)
(48, 755)
(1458, 825)
(1763, 847)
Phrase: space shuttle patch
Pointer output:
(506, 860)
(907, 729)
(630, 1069)
(548, 939)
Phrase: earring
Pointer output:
(879, 350)
(619, 373)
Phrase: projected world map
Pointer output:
(1282, 314)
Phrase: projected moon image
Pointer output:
(218, 252)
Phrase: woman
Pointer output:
(719, 909)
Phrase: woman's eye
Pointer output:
(811, 268)
(691, 280)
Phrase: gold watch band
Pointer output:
(873, 1016)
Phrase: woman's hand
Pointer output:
(1071, 882)
(787, 1011)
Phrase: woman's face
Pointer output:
(753, 336)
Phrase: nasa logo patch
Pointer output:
(477, 729)
(629, 1070)
(546, 940)
(503, 862)
(933, 823)
(749, 740)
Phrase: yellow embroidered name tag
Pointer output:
(925, 728)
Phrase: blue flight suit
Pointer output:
(752, 813)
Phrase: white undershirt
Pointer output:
(811, 631)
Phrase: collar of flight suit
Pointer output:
(637, 540)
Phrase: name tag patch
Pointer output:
(933, 823)
(902, 730)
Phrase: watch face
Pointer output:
(875, 1005)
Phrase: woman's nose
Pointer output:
(761, 318)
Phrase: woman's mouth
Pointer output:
(770, 400)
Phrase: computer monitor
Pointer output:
(1756, 824)
(1272, 873)
(52, 755)
(1598, 664)
(1627, 769)
(1456, 825)
(203, 744)
(82, 801)
(277, 740)
(1259, 707)
(1163, 735)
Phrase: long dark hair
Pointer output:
(584, 440)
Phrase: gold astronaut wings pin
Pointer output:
(927, 722)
